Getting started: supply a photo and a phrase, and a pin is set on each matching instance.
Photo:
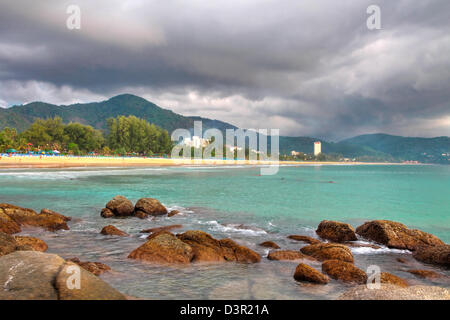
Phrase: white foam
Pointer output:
(233, 228)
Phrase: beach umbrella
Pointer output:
(11, 151)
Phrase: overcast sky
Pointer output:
(310, 68)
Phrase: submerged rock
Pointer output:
(396, 235)
(31, 275)
(439, 255)
(287, 255)
(164, 228)
(120, 207)
(33, 243)
(425, 274)
(110, 230)
(328, 251)
(306, 273)
(344, 271)
(149, 206)
(48, 220)
(306, 239)
(172, 213)
(336, 231)
(96, 268)
(269, 244)
(163, 247)
(393, 292)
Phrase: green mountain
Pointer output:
(426, 150)
(377, 147)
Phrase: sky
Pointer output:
(306, 67)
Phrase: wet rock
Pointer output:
(425, 274)
(306, 273)
(113, 231)
(393, 292)
(164, 228)
(163, 247)
(336, 231)
(386, 277)
(269, 244)
(28, 217)
(35, 244)
(344, 271)
(172, 213)
(7, 244)
(328, 251)
(287, 255)
(120, 207)
(401, 260)
(96, 268)
(208, 249)
(439, 255)
(306, 239)
(8, 225)
(31, 275)
(149, 206)
(396, 235)
(106, 213)
(59, 215)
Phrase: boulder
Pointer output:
(32, 275)
(172, 213)
(110, 230)
(336, 231)
(96, 268)
(306, 273)
(287, 255)
(344, 271)
(8, 225)
(328, 251)
(33, 243)
(163, 247)
(120, 207)
(106, 213)
(149, 206)
(425, 274)
(269, 244)
(439, 255)
(7, 244)
(164, 228)
(59, 215)
(208, 249)
(393, 292)
(28, 217)
(386, 277)
(396, 235)
(306, 239)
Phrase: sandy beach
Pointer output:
(24, 161)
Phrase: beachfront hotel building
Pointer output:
(317, 148)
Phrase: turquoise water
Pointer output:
(219, 200)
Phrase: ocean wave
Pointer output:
(234, 228)
(74, 174)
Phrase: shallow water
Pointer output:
(218, 201)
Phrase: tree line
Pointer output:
(125, 135)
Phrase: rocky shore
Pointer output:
(26, 272)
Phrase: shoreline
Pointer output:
(73, 162)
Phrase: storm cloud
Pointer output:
(307, 67)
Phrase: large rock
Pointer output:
(28, 217)
(306, 239)
(328, 251)
(35, 244)
(57, 214)
(96, 268)
(336, 231)
(439, 255)
(120, 207)
(344, 271)
(287, 255)
(208, 249)
(393, 292)
(110, 230)
(163, 247)
(31, 275)
(306, 273)
(396, 235)
(7, 244)
(8, 225)
(149, 206)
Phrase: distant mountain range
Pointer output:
(380, 147)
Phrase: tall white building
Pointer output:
(317, 148)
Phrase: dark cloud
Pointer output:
(306, 67)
